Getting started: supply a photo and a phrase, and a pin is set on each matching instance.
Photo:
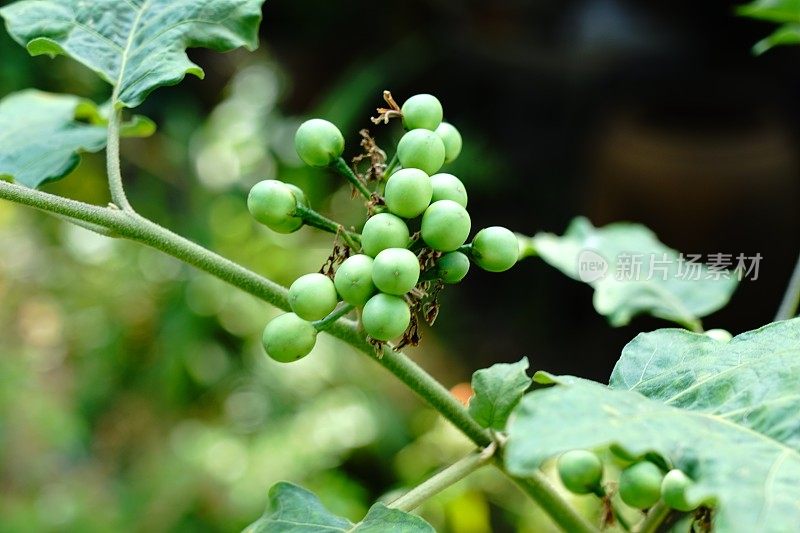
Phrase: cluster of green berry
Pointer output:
(642, 483)
(387, 269)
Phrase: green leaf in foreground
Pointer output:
(135, 45)
(293, 509)
(497, 390)
(43, 134)
(728, 414)
(620, 293)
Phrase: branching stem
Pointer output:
(126, 223)
(341, 166)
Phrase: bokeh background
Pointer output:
(133, 392)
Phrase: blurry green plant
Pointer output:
(785, 13)
(702, 426)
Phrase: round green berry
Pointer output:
(452, 267)
(640, 485)
(395, 271)
(719, 335)
(288, 338)
(313, 296)
(445, 225)
(422, 111)
(383, 231)
(673, 490)
(448, 187)
(385, 317)
(580, 471)
(318, 142)
(408, 192)
(421, 149)
(452, 141)
(274, 204)
(353, 280)
(495, 249)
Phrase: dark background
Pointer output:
(655, 112)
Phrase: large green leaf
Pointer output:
(497, 390)
(619, 293)
(753, 380)
(42, 134)
(135, 45)
(728, 414)
(293, 509)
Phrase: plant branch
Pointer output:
(325, 323)
(654, 518)
(341, 166)
(136, 228)
(443, 479)
(113, 162)
(539, 488)
(315, 220)
(791, 299)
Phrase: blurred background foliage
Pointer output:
(134, 395)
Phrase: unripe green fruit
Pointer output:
(288, 338)
(313, 296)
(353, 280)
(385, 317)
(422, 111)
(673, 490)
(318, 142)
(408, 192)
(383, 231)
(452, 267)
(581, 471)
(395, 271)
(452, 141)
(274, 204)
(719, 335)
(495, 249)
(448, 187)
(445, 226)
(421, 149)
(640, 485)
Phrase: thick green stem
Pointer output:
(539, 488)
(137, 228)
(113, 162)
(341, 166)
(316, 220)
(442, 480)
(654, 518)
(791, 299)
(325, 323)
(126, 223)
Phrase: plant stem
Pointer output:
(325, 323)
(539, 488)
(791, 299)
(113, 162)
(341, 166)
(653, 519)
(136, 228)
(442, 480)
(390, 168)
(315, 220)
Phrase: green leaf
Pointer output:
(135, 45)
(728, 414)
(620, 295)
(497, 390)
(752, 380)
(772, 10)
(43, 134)
(293, 509)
